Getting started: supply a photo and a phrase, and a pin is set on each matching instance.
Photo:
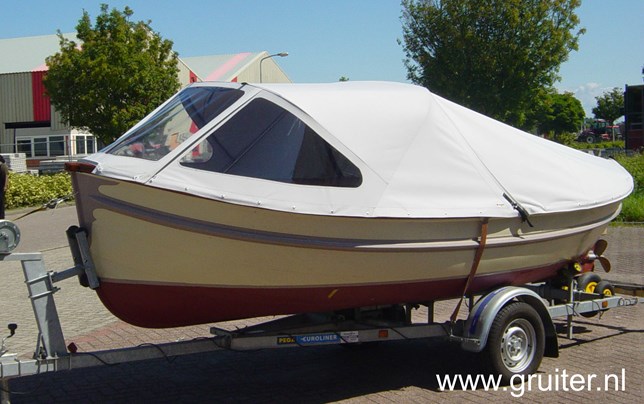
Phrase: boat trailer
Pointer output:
(506, 323)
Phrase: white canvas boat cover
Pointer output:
(420, 156)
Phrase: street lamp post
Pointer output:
(281, 54)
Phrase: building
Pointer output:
(633, 117)
(30, 125)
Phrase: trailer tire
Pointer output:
(588, 283)
(516, 342)
(605, 288)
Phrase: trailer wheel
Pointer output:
(605, 289)
(516, 341)
(588, 283)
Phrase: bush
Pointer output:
(635, 165)
(568, 139)
(633, 207)
(29, 190)
(618, 144)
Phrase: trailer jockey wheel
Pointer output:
(588, 283)
(516, 342)
(605, 288)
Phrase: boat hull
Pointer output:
(162, 306)
(166, 258)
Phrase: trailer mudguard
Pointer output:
(478, 324)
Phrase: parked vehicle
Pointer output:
(599, 130)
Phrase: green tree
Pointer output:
(610, 105)
(557, 113)
(493, 56)
(118, 72)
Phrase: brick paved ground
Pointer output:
(382, 373)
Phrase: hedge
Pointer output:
(633, 208)
(30, 190)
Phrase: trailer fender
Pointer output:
(478, 324)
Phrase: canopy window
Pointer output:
(265, 141)
(179, 119)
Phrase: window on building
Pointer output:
(265, 141)
(57, 146)
(85, 144)
(91, 144)
(24, 146)
(80, 145)
(40, 147)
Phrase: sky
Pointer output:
(328, 39)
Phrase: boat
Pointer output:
(236, 200)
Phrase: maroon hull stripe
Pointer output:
(162, 306)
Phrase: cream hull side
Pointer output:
(147, 236)
(129, 249)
